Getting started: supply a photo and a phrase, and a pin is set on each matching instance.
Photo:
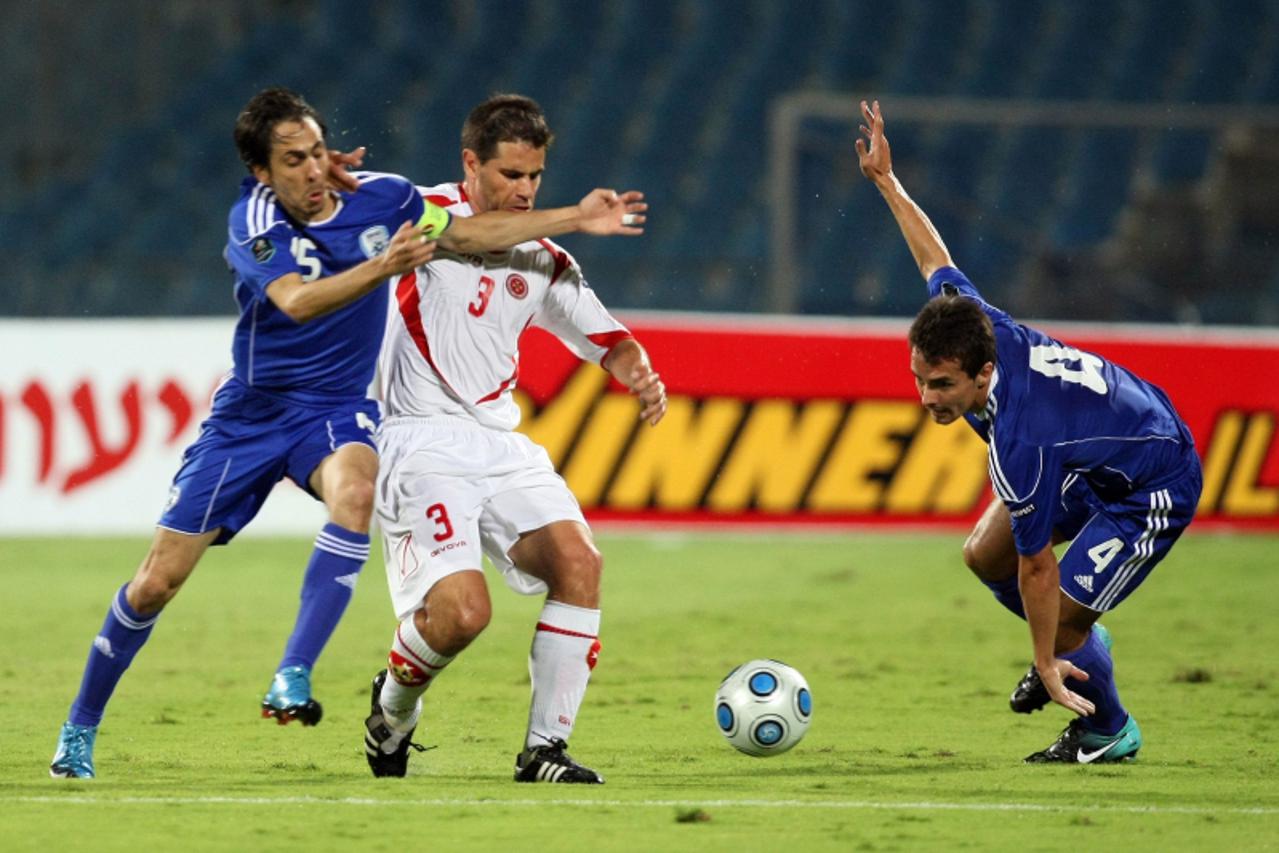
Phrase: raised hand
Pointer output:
(604, 212)
(340, 164)
(875, 158)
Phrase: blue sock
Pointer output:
(123, 633)
(1008, 593)
(326, 590)
(1093, 658)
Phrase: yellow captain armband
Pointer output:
(434, 222)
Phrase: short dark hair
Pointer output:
(256, 123)
(954, 328)
(505, 118)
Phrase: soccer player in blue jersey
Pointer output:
(309, 263)
(1081, 450)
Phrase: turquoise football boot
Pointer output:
(74, 756)
(1080, 745)
(290, 698)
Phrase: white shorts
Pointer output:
(450, 491)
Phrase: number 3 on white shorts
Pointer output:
(1052, 361)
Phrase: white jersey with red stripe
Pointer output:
(452, 342)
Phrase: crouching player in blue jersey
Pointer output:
(309, 264)
(1081, 450)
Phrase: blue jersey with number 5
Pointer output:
(1054, 411)
(330, 358)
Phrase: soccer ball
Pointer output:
(763, 707)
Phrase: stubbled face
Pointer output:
(946, 391)
(298, 169)
(509, 180)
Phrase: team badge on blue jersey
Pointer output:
(263, 250)
(373, 241)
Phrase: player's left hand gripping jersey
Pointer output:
(1054, 411)
(452, 346)
(331, 357)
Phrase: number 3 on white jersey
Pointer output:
(301, 248)
(1052, 361)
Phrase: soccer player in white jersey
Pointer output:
(457, 482)
(310, 263)
(1081, 450)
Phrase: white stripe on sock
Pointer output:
(126, 621)
(333, 545)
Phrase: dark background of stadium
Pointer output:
(118, 166)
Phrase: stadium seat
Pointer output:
(673, 98)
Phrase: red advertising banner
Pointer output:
(772, 420)
(782, 421)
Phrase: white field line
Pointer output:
(665, 804)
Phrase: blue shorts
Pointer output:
(250, 442)
(1115, 544)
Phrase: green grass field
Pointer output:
(910, 662)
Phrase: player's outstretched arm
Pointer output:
(303, 301)
(601, 212)
(629, 364)
(876, 161)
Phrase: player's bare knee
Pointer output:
(352, 504)
(976, 558)
(578, 569)
(454, 616)
(984, 562)
(153, 586)
(470, 619)
(971, 554)
(451, 628)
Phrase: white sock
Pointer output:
(565, 648)
(412, 666)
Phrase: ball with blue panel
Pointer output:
(763, 707)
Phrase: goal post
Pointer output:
(790, 113)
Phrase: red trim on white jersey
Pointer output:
(514, 377)
(562, 260)
(609, 340)
(406, 296)
(441, 200)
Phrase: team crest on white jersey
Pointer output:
(516, 286)
(373, 241)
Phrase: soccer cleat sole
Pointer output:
(308, 714)
(57, 773)
(1040, 758)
